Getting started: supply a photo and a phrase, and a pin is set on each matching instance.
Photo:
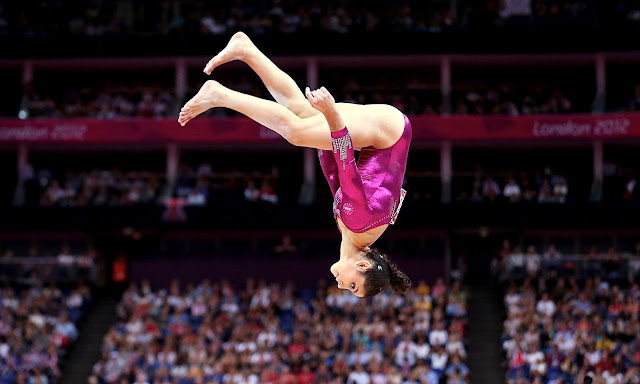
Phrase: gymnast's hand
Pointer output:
(321, 100)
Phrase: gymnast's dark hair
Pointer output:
(383, 272)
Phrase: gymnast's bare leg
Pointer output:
(279, 84)
(379, 126)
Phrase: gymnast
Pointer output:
(367, 194)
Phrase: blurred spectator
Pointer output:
(251, 193)
(267, 191)
(512, 190)
(286, 246)
(490, 189)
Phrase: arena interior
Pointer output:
(134, 250)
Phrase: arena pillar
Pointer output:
(24, 172)
(173, 160)
(27, 72)
(181, 80)
(308, 188)
(600, 102)
(446, 171)
(445, 84)
(598, 165)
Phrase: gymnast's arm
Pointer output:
(343, 153)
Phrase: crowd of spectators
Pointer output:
(512, 99)
(516, 262)
(28, 265)
(38, 325)
(274, 333)
(111, 102)
(98, 187)
(542, 187)
(415, 97)
(97, 18)
(194, 186)
(572, 331)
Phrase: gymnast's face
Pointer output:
(349, 275)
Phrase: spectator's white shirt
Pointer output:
(422, 325)
(358, 378)
(196, 199)
(546, 307)
(359, 357)
(167, 357)
(438, 337)
(4, 350)
(230, 307)
(178, 301)
(533, 263)
(75, 300)
(439, 360)
(613, 379)
(67, 329)
(511, 190)
(249, 346)
(65, 259)
(539, 366)
(251, 194)
(180, 371)
(267, 338)
(593, 357)
(456, 346)
(517, 260)
(512, 299)
(259, 358)
(422, 351)
(533, 357)
(134, 327)
(509, 346)
(408, 345)
(405, 357)
(198, 309)
(261, 298)
(565, 344)
(378, 378)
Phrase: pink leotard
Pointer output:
(369, 193)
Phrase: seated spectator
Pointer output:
(545, 195)
(286, 246)
(490, 189)
(533, 261)
(512, 191)
(517, 262)
(251, 193)
(196, 198)
(552, 259)
(267, 192)
(560, 189)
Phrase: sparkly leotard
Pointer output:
(369, 193)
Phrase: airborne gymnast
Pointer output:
(367, 194)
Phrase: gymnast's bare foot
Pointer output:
(207, 97)
(236, 49)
